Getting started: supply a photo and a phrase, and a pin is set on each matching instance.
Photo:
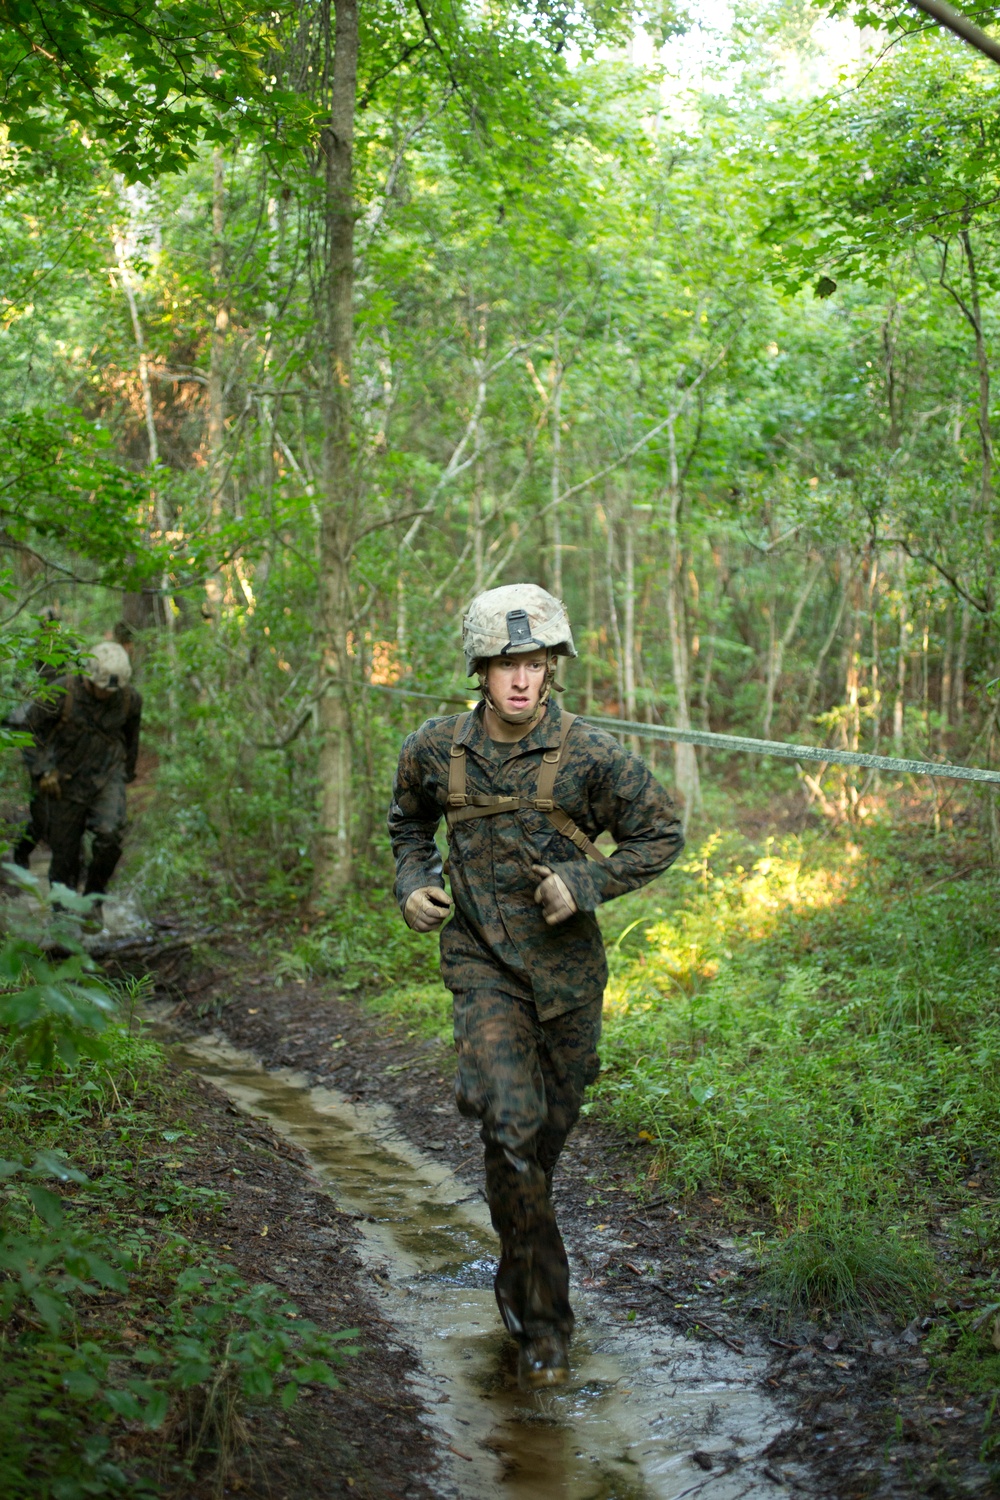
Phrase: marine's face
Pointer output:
(515, 683)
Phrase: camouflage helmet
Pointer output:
(516, 618)
(107, 666)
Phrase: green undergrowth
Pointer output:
(813, 1026)
(810, 1029)
(128, 1350)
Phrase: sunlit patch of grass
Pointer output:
(807, 1024)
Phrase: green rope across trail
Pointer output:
(737, 742)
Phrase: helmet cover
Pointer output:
(108, 666)
(516, 618)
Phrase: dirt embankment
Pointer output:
(865, 1417)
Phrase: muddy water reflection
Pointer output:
(640, 1405)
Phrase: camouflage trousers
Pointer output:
(524, 1079)
(62, 823)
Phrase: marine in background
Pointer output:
(526, 790)
(85, 742)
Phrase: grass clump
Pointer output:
(849, 1268)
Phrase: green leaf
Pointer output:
(47, 1206)
(50, 1164)
(156, 1409)
(80, 1384)
(124, 1404)
(50, 1309)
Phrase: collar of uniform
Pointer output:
(544, 736)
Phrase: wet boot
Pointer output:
(543, 1362)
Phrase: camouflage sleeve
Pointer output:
(131, 732)
(627, 800)
(413, 819)
(40, 717)
(42, 714)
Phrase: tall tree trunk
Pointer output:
(899, 704)
(555, 416)
(628, 641)
(778, 646)
(925, 675)
(616, 635)
(156, 494)
(971, 310)
(478, 537)
(332, 857)
(876, 691)
(946, 674)
(685, 760)
(588, 692)
(831, 636)
(958, 693)
(216, 410)
(983, 367)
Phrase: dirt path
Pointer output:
(860, 1418)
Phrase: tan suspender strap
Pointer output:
(551, 761)
(456, 767)
(462, 807)
(575, 834)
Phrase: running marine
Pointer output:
(85, 742)
(526, 790)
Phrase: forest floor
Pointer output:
(864, 1418)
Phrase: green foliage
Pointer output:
(146, 79)
(364, 945)
(52, 1008)
(52, 466)
(812, 1028)
(80, 1266)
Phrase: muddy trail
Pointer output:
(680, 1386)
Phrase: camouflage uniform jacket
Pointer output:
(497, 937)
(89, 743)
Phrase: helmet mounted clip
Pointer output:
(519, 636)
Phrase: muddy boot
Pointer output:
(543, 1362)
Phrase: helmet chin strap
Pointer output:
(529, 716)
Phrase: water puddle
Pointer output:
(640, 1405)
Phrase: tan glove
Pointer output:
(49, 784)
(553, 896)
(427, 908)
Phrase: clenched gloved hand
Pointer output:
(427, 908)
(553, 896)
(49, 784)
